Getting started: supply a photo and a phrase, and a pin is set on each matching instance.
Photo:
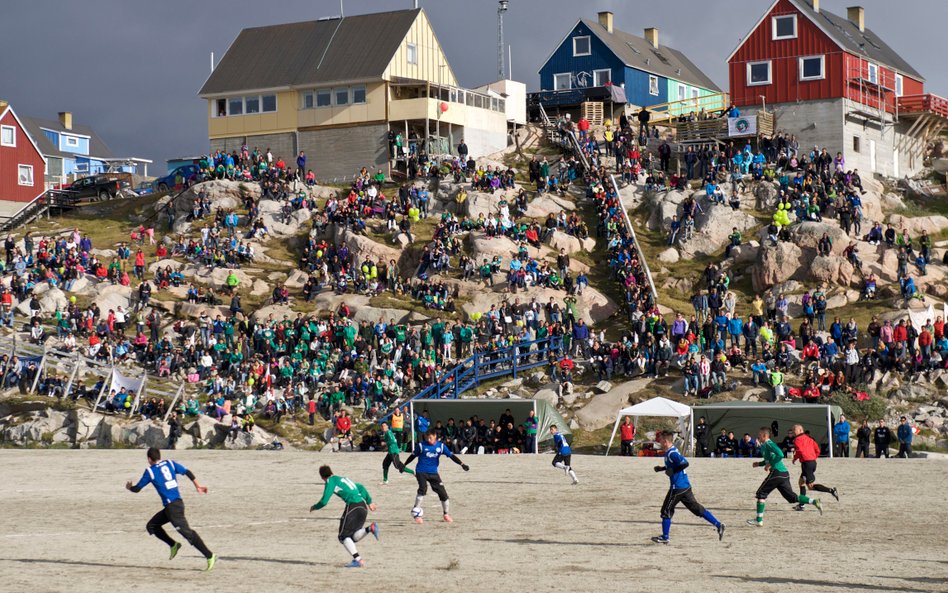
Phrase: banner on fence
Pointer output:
(742, 126)
(131, 384)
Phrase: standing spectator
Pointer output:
(701, 437)
(904, 433)
(531, 425)
(882, 438)
(301, 163)
(862, 439)
(462, 151)
(311, 409)
(627, 434)
(841, 436)
(664, 155)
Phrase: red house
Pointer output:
(833, 82)
(22, 166)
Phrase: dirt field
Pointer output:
(67, 524)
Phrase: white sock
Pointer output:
(358, 535)
(559, 465)
(572, 474)
(445, 506)
(418, 501)
(464, 450)
(350, 547)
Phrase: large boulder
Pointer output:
(560, 240)
(542, 206)
(113, 296)
(549, 393)
(808, 234)
(776, 264)
(363, 248)
(832, 270)
(488, 204)
(766, 195)
(602, 409)
(669, 256)
(206, 431)
(53, 300)
(484, 247)
(146, 433)
(713, 228)
(915, 225)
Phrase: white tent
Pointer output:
(657, 406)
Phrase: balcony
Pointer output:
(928, 104)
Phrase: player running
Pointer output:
(563, 454)
(391, 458)
(679, 490)
(807, 451)
(358, 504)
(428, 451)
(162, 475)
(778, 478)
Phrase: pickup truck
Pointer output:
(99, 187)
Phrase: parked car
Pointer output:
(166, 183)
(144, 188)
(101, 187)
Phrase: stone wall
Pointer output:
(341, 152)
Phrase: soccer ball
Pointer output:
(417, 512)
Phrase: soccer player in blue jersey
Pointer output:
(679, 491)
(162, 475)
(564, 454)
(428, 452)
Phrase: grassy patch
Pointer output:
(105, 223)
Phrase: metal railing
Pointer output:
(927, 103)
(635, 242)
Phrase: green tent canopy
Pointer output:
(747, 417)
(491, 409)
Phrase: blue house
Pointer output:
(595, 54)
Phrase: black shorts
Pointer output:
(808, 471)
(779, 481)
(436, 484)
(353, 519)
(564, 458)
(684, 496)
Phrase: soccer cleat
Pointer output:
(419, 520)
(660, 539)
(174, 550)
(383, 483)
(799, 507)
(356, 563)
(210, 562)
(448, 519)
(575, 481)
(818, 506)
(374, 529)
(755, 523)
(835, 494)
(720, 531)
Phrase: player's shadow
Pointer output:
(90, 564)
(271, 560)
(546, 542)
(828, 584)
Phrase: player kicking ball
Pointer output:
(163, 476)
(807, 451)
(391, 457)
(563, 454)
(358, 504)
(428, 452)
(778, 478)
(679, 491)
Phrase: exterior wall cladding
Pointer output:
(281, 145)
(339, 153)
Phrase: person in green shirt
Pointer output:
(358, 504)
(392, 448)
(778, 478)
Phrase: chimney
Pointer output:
(605, 19)
(816, 5)
(65, 118)
(651, 35)
(857, 15)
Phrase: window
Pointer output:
(25, 174)
(758, 73)
(323, 98)
(898, 85)
(341, 95)
(653, 85)
(812, 68)
(308, 100)
(7, 136)
(358, 94)
(602, 77)
(562, 81)
(269, 103)
(252, 104)
(857, 144)
(694, 93)
(235, 106)
(784, 27)
(873, 73)
(682, 92)
(411, 53)
(221, 110)
(71, 141)
(582, 46)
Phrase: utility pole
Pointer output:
(501, 9)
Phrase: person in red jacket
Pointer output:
(627, 434)
(807, 451)
(344, 429)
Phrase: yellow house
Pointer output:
(340, 88)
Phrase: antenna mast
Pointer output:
(501, 9)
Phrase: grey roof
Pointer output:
(866, 43)
(312, 52)
(34, 125)
(664, 61)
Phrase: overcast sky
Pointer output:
(132, 70)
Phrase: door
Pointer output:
(895, 163)
(872, 155)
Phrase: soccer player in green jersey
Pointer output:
(358, 504)
(391, 457)
(778, 478)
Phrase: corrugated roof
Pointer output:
(34, 125)
(309, 53)
(865, 43)
(638, 53)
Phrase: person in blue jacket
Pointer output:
(905, 434)
(841, 436)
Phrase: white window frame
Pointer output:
(770, 73)
(19, 169)
(682, 92)
(899, 85)
(773, 27)
(411, 53)
(70, 141)
(695, 93)
(589, 46)
(653, 89)
(232, 99)
(336, 91)
(569, 81)
(247, 103)
(324, 92)
(352, 95)
(872, 73)
(275, 103)
(3, 132)
(802, 74)
(311, 96)
(608, 72)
